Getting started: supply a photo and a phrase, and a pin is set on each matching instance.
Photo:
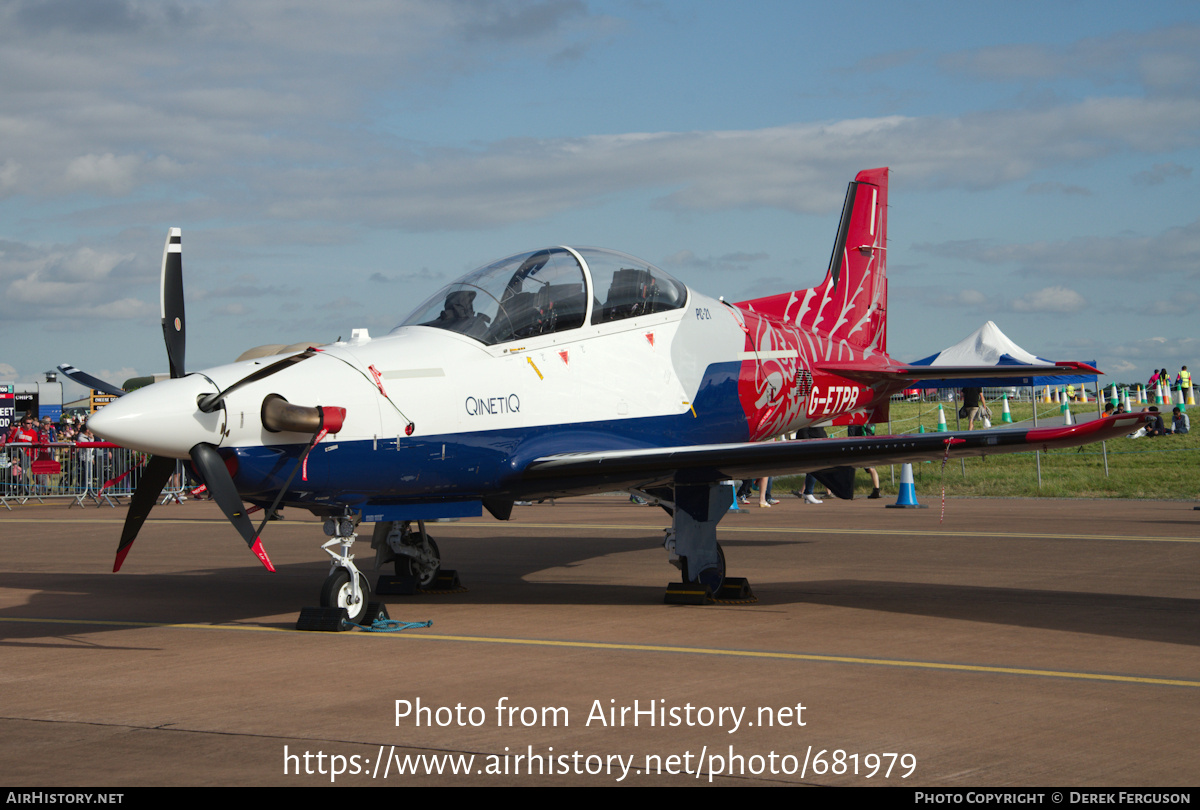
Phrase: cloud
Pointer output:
(107, 172)
(1157, 348)
(519, 22)
(245, 286)
(1057, 188)
(730, 262)
(1180, 302)
(115, 95)
(248, 138)
(962, 299)
(1050, 299)
(1161, 172)
(424, 274)
(70, 285)
(884, 62)
(235, 309)
(1175, 251)
(1163, 60)
(1007, 62)
(1059, 300)
(800, 168)
(342, 304)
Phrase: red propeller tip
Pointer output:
(120, 560)
(261, 553)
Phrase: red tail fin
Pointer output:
(850, 306)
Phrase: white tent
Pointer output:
(988, 346)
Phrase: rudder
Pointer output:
(850, 305)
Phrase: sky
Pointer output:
(332, 165)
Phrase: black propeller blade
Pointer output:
(174, 323)
(156, 473)
(212, 468)
(207, 460)
(88, 381)
(158, 468)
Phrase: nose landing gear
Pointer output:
(346, 586)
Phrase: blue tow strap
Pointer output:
(392, 626)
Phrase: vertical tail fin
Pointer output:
(850, 306)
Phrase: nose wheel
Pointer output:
(339, 591)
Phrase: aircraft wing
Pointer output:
(900, 373)
(88, 381)
(579, 473)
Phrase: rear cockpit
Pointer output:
(547, 291)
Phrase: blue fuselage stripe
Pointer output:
(458, 466)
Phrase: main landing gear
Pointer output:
(413, 551)
(713, 577)
(692, 546)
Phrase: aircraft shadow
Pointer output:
(1145, 618)
(498, 572)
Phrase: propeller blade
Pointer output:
(174, 323)
(158, 469)
(220, 483)
(88, 381)
(209, 403)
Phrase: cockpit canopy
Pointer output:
(547, 291)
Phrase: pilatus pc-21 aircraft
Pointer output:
(561, 371)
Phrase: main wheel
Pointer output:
(424, 573)
(336, 592)
(714, 576)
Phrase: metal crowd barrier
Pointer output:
(100, 472)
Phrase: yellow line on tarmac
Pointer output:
(658, 648)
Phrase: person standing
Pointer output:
(974, 402)
(866, 430)
(810, 483)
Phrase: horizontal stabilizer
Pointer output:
(900, 373)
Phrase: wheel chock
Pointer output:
(446, 580)
(687, 593)
(376, 611)
(406, 585)
(323, 619)
(734, 589)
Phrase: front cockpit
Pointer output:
(547, 291)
